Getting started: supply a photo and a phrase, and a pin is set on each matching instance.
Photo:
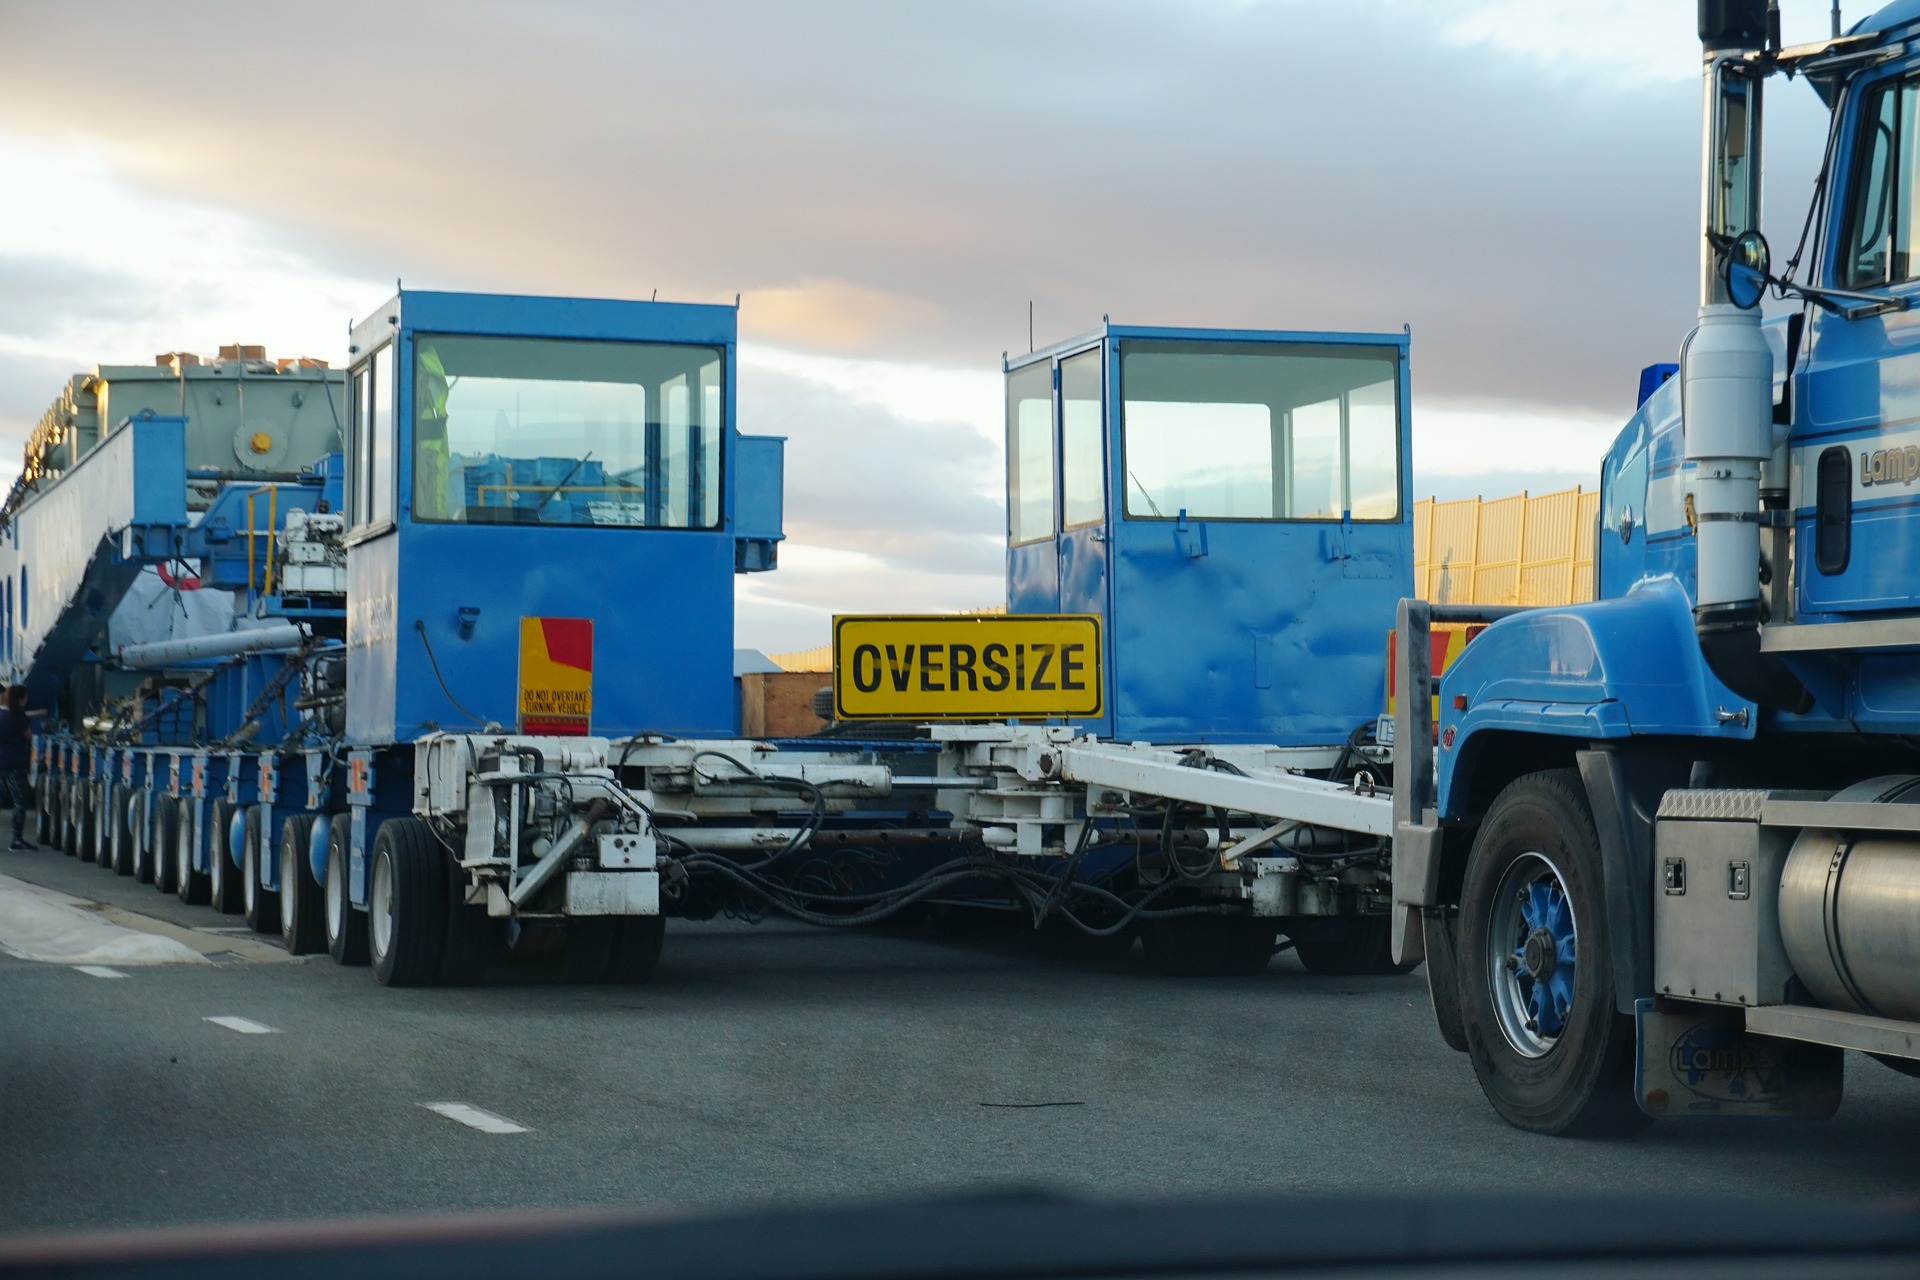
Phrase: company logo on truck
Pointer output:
(1890, 466)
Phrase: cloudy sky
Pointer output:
(887, 187)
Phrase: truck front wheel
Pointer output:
(1535, 966)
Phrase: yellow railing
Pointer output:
(1519, 550)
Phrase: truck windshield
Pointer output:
(562, 432)
(1260, 431)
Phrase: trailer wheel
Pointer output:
(259, 906)
(143, 837)
(1536, 978)
(346, 927)
(303, 925)
(123, 829)
(474, 938)
(1345, 946)
(1209, 946)
(188, 881)
(69, 815)
(87, 844)
(43, 811)
(637, 941)
(223, 878)
(407, 904)
(166, 829)
(100, 822)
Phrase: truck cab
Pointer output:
(1670, 826)
(1233, 505)
(516, 459)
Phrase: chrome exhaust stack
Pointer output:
(1726, 367)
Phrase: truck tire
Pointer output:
(588, 952)
(637, 941)
(1365, 945)
(1442, 931)
(124, 817)
(473, 937)
(1552, 1053)
(303, 924)
(188, 881)
(223, 877)
(166, 829)
(1209, 946)
(143, 837)
(407, 904)
(346, 928)
(43, 811)
(259, 906)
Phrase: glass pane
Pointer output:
(549, 431)
(1865, 262)
(1373, 452)
(1082, 468)
(1030, 453)
(1258, 431)
(380, 426)
(1734, 187)
(1314, 437)
(1905, 261)
(358, 411)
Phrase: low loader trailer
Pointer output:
(427, 663)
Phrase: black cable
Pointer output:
(434, 662)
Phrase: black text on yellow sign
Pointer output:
(998, 667)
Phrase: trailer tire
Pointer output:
(473, 937)
(259, 906)
(1364, 946)
(69, 818)
(166, 829)
(1533, 904)
(43, 811)
(123, 832)
(1209, 946)
(223, 878)
(303, 923)
(87, 842)
(407, 904)
(588, 952)
(188, 881)
(637, 942)
(143, 837)
(346, 928)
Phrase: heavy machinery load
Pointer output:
(1664, 866)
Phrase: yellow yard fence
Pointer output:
(1521, 550)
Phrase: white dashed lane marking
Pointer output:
(475, 1118)
(245, 1026)
(99, 971)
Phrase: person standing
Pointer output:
(16, 753)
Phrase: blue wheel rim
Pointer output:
(1532, 954)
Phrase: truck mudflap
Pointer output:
(1699, 1060)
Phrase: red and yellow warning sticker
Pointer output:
(556, 676)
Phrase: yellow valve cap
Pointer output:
(261, 442)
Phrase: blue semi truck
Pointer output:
(1668, 862)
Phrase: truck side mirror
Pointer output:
(1747, 262)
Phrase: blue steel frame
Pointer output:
(1262, 631)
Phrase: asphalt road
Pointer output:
(777, 1063)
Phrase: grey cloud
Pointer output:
(1270, 165)
(38, 296)
(914, 495)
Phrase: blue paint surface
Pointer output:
(1223, 629)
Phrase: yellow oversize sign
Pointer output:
(941, 667)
